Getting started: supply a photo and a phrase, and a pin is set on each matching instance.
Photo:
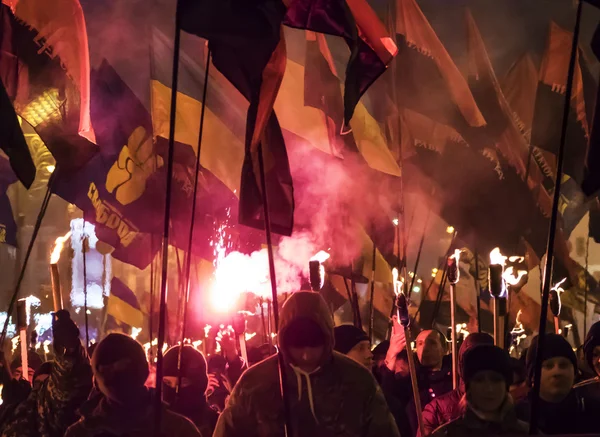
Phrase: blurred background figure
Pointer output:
(354, 343)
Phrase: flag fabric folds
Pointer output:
(591, 181)
(427, 80)
(372, 49)
(61, 27)
(248, 49)
(547, 121)
(123, 305)
(8, 227)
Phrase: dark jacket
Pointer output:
(51, 407)
(471, 424)
(340, 398)
(442, 410)
(574, 415)
(99, 419)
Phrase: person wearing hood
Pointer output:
(354, 343)
(327, 392)
(123, 405)
(488, 408)
(51, 406)
(562, 409)
(448, 407)
(190, 401)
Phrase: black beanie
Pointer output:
(486, 357)
(115, 347)
(381, 349)
(554, 346)
(592, 340)
(44, 369)
(303, 332)
(348, 336)
(471, 341)
(193, 365)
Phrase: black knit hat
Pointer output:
(591, 341)
(115, 347)
(33, 361)
(472, 340)
(554, 346)
(348, 336)
(193, 365)
(486, 357)
(381, 349)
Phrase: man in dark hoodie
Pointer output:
(123, 404)
(328, 393)
(562, 409)
(190, 401)
(448, 407)
(51, 406)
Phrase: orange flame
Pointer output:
(511, 278)
(397, 282)
(496, 257)
(322, 256)
(58, 245)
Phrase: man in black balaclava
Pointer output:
(191, 399)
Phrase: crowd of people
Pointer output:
(335, 384)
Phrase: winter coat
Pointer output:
(574, 415)
(442, 410)
(471, 424)
(51, 407)
(99, 419)
(340, 398)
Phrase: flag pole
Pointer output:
(477, 289)
(167, 223)
(188, 260)
(36, 230)
(372, 295)
(84, 244)
(282, 380)
(418, 260)
(535, 405)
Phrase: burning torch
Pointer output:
(453, 275)
(317, 271)
(404, 319)
(22, 327)
(555, 304)
(497, 286)
(239, 326)
(54, 276)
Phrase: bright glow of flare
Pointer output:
(510, 277)
(58, 245)
(29, 302)
(321, 256)
(496, 257)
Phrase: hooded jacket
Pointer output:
(51, 407)
(339, 398)
(99, 419)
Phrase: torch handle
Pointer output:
(243, 349)
(453, 335)
(557, 324)
(413, 378)
(56, 294)
(24, 357)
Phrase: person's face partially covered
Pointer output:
(307, 358)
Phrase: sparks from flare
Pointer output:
(58, 245)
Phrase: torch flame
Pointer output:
(496, 257)
(135, 332)
(516, 259)
(558, 287)
(456, 255)
(510, 277)
(58, 245)
(321, 256)
(397, 283)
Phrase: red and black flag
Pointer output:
(427, 80)
(45, 67)
(552, 85)
(322, 91)
(248, 49)
(591, 181)
(371, 48)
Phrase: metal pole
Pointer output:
(84, 243)
(535, 404)
(167, 223)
